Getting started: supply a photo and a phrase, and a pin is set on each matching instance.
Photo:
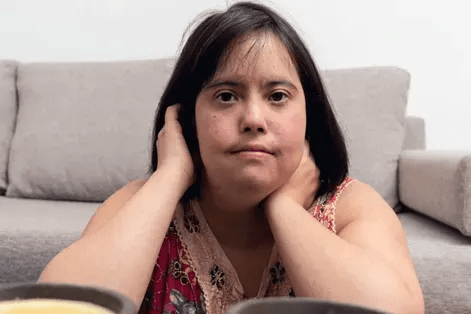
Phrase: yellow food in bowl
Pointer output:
(50, 306)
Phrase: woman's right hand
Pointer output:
(172, 150)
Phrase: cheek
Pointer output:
(292, 132)
(291, 139)
(211, 132)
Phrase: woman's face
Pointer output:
(254, 102)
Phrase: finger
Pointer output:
(171, 114)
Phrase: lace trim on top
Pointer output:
(324, 208)
(216, 275)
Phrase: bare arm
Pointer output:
(366, 263)
(120, 253)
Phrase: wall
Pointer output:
(431, 39)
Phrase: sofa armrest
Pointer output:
(437, 184)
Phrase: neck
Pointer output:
(237, 221)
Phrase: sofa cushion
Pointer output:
(442, 259)
(32, 232)
(83, 129)
(8, 110)
(371, 105)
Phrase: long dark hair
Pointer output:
(198, 62)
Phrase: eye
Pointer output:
(226, 97)
(278, 97)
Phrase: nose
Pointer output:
(253, 117)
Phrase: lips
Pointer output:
(253, 148)
(252, 151)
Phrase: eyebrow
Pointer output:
(219, 83)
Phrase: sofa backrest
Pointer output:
(415, 134)
(8, 108)
(371, 106)
(83, 129)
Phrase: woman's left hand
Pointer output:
(303, 184)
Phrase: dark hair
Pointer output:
(198, 61)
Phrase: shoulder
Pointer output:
(112, 205)
(366, 219)
(359, 201)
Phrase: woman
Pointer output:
(248, 194)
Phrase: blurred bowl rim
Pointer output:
(97, 295)
(253, 304)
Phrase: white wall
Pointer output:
(431, 39)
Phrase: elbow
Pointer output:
(410, 309)
(62, 268)
(415, 305)
(53, 273)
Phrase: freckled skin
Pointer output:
(274, 115)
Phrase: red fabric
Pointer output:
(172, 274)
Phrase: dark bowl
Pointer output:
(109, 299)
(298, 305)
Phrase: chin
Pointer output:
(256, 185)
(258, 188)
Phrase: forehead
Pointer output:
(258, 53)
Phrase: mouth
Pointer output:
(252, 154)
(252, 151)
(252, 148)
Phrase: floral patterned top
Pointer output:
(193, 275)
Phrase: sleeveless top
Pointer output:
(193, 275)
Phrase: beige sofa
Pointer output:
(72, 133)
